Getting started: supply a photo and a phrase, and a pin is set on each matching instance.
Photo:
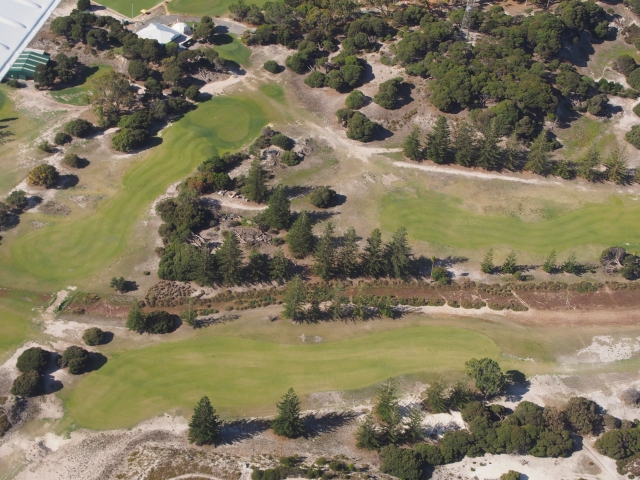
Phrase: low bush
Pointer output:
(159, 322)
(18, 199)
(355, 100)
(78, 128)
(316, 79)
(61, 138)
(13, 83)
(282, 141)
(290, 158)
(322, 197)
(440, 275)
(43, 176)
(46, 147)
(93, 336)
(271, 66)
(633, 135)
(72, 160)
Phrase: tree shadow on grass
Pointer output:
(316, 425)
(238, 430)
(222, 39)
(107, 337)
(96, 361)
(67, 181)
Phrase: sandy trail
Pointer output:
(232, 203)
(217, 88)
(354, 149)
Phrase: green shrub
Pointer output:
(46, 147)
(159, 322)
(322, 197)
(316, 79)
(290, 158)
(440, 274)
(633, 135)
(282, 141)
(581, 415)
(192, 93)
(27, 385)
(355, 100)
(4, 425)
(625, 64)
(43, 176)
(13, 83)
(76, 358)
(93, 336)
(634, 79)
(18, 199)
(636, 109)
(271, 66)
(34, 358)
(387, 96)
(510, 475)
(128, 139)
(72, 160)
(78, 128)
(400, 462)
(61, 138)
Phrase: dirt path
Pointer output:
(354, 149)
(194, 475)
(606, 468)
(232, 203)
(217, 88)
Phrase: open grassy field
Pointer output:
(230, 48)
(69, 249)
(438, 219)
(241, 375)
(78, 95)
(201, 7)
(124, 6)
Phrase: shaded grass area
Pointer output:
(74, 250)
(15, 317)
(584, 133)
(203, 7)
(439, 219)
(240, 374)
(230, 48)
(124, 6)
(78, 95)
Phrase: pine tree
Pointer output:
(550, 263)
(279, 266)
(465, 145)
(616, 165)
(278, 214)
(487, 264)
(348, 253)
(294, 299)
(367, 434)
(136, 321)
(509, 266)
(300, 237)
(387, 409)
(412, 148)
(538, 157)
(512, 153)
(314, 312)
(373, 262)
(571, 265)
(338, 301)
(229, 259)
(413, 430)
(439, 142)
(489, 155)
(398, 254)
(325, 255)
(257, 266)
(588, 164)
(255, 185)
(204, 426)
(437, 401)
(189, 315)
(288, 423)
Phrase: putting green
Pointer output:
(230, 48)
(241, 375)
(439, 219)
(72, 250)
(204, 7)
(78, 95)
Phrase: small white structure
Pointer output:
(161, 33)
(182, 28)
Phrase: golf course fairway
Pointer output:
(242, 375)
(74, 250)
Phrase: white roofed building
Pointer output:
(161, 33)
(182, 28)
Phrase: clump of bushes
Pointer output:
(27, 384)
(359, 127)
(18, 199)
(157, 322)
(76, 358)
(271, 66)
(78, 128)
(43, 176)
(633, 135)
(32, 363)
(322, 197)
(61, 138)
(282, 141)
(93, 336)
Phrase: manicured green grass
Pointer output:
(124, 6)
(72, 250)
(230, 48)
(78, 95)
(439, 219)
(273, 91)
(16, 317)
(241, 375)
(204, 7)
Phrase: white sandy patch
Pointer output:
(61, 296)
(218, 87)
(606, 349)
